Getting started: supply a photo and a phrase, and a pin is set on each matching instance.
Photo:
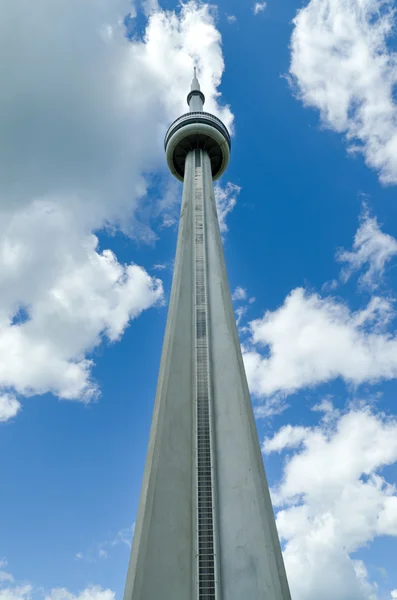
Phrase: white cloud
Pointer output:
(231, 18)
(124, 536)
(273, 405)
(287, 437)
(333, 501)
(330, 286)
(12, 590)
(9, 407)
(101, 120)
(150, 6)
(240, 312)
(74, 297)
(102, 550)
(18, 592)
(330, 413)
(81, 126)
(393, 594)
(311, 340)
(226, 199)
(93, 592)
(239, 293)
(259, 7)
(371, 249)
(341, 64)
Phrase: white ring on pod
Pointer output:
(194, 129)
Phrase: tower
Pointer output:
(205, 528)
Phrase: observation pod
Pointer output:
(197, 130)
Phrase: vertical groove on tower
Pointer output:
(206, 556)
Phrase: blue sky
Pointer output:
(88, 222)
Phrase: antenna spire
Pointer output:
(195, 98)
(195, 87)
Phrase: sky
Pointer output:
(88, 226)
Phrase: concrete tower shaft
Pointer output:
(205, 528)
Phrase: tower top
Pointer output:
(197, 129)
(195, 97)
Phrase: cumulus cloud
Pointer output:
(18, 592)
(259, 7)
(287, 437)
(102, 550)
(150, 6)
(226, 199)
(10, 589)
(24, 592)
(93, 592)
(92, 127)
(240, 312)
(9, 407)
(239, 293)
(82, 130)
(333, 500)
(342, 65)
(372, 249)
(73, 296)
(13, 590)
(311, 340)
